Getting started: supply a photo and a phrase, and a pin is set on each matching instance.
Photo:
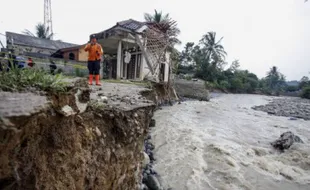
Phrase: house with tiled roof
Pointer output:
(131, 58)
(33, 46)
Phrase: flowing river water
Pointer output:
(224, 144)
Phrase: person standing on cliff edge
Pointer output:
(95, 53)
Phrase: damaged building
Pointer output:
(136, 52)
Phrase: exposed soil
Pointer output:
(82, 139)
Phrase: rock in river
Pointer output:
(286, 140)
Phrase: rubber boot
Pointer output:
(97, 77)
(90, 80)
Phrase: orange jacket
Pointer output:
(94, 51)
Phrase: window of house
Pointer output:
(71, 56)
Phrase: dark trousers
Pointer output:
(93, 67)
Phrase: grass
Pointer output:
(21, 79)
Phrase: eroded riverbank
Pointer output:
(85, 138)
(224, 144)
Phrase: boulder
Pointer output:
(104, 99)
(153, 183)
(146, 159)
(286, 140)
(152, 123)
(67, 111)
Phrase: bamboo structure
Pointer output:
(155, 46)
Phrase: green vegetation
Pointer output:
(206, 61)
(306, 92)
(164, 23)
(80, 72)
(304, 85)
(21, 79)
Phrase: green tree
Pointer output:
(236, 84)
(175, 60)
(157, 17)
(274, 78)
(208, 57)
(306, 92)
(164, 23)
(186, 55)
(234, 65)
(212, 48)
(41, 32)
(304, 82)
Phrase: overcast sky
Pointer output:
(260, 33)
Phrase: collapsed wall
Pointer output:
(82, 139)
(191, 89)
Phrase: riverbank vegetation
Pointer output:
(207, 61)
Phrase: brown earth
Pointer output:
(95, 143)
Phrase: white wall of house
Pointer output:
(167, 65)
(147, 73)
(144, 69)
(3, 40)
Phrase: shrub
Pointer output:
(247, 88)
(79, 72)
(59, 71)
(209, 85)
(306, 92)
(266, 91)
(292, 88)
(20, 79)
(254, 83)
(187, 77)
(236, 85)
(224, 85)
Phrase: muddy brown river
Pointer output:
(224, 144)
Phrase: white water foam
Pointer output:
(224, 144)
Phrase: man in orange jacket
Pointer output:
(95, 53)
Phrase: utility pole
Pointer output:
(48, 23)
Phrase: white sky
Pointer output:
(260, 33)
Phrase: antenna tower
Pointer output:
(48, 16)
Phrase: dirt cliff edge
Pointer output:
(82, 139)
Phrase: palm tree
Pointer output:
(213, 49)
(234, 65)
(275, 79)
(164, 23)
(41, 32)
(273, 72)
(157, 17)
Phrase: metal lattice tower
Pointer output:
(48, 16)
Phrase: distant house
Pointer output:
(130, 50)
(75, 53)
(293, 83)
(33, 46)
